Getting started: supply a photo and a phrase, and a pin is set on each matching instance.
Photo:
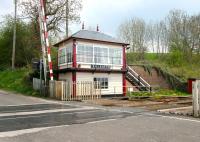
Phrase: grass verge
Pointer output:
(17, 81)
(159, 94)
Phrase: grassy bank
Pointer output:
(17, 81)
(176, 65)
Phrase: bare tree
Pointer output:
(58, 12)
(194, 30)
(133, 32)
(125, 34)
(177, 32)
(150, 37)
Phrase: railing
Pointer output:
(136, 77)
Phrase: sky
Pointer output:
(109, 14)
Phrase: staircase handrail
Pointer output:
(136, 78)
(136, 75)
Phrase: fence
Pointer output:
(83, 90)
(69, 91)
(196, 98)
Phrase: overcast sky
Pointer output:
(110, 13)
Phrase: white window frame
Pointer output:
(59, 57)
(105, 87)
(93, 58)
(65, 63)
(85, 45)
(121, 58)
(104, 47)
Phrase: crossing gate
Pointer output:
(46, 50)
(84, 90)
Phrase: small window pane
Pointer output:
(85, 53)
(103, 82)
(115, 56)
(62, 56)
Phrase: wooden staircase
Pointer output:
(136, 80)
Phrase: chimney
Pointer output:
(97, 28)
(83, 26)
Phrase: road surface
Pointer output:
(31, 119)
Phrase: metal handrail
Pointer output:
(137, 79)
(136, 75)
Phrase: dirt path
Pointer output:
(146, 103)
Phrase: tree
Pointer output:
(150, 36)
(194, 30)
(57, 12)
(25, 47)
(134, 32)
(177, 34)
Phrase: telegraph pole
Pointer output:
(67, 18)
(14, 36)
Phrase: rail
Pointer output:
(138, 78)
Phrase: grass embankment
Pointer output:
(17, 81)
(175, 67)
(174, 64)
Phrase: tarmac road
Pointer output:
(38, 120)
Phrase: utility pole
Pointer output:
(67, 18)
(14, 36)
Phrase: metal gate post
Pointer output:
(195, 94)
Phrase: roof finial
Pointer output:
(83, 26)
(97, 28)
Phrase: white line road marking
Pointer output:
(44, 111)
(116, 110)
(93, 122)
(26, 105)
(27, 131)
(177, 118)
(37, 116)
(180, 108)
